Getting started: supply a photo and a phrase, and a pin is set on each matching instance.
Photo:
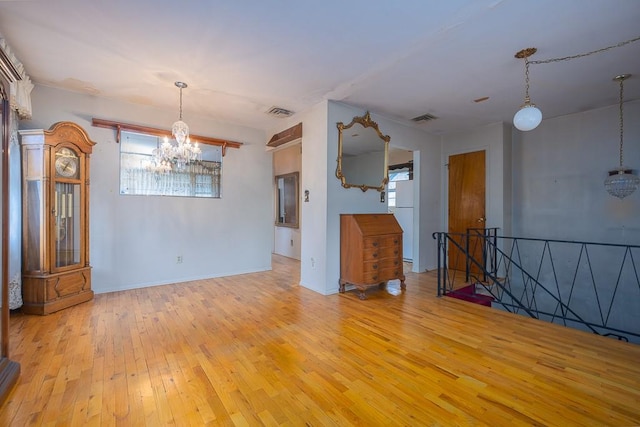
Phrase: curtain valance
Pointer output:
(20, 85)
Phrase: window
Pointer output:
(200, 179)
(391, 186)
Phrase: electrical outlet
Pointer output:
(179, 259)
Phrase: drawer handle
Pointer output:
(395, 241)
(375, 266)
(395, 252)
(375, 255)
(396, 262)
(396, 273)
(375, 277)
(375, 244)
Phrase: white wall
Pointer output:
(558, 174)
(313, 253)
(135, 240)
(427, 205)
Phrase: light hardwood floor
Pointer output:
(259, 349)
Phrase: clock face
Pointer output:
(66, 163)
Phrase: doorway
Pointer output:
(466, 209)
(400, 196)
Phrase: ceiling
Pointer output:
(399, 59)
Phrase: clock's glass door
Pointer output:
(67, 224)
(67, 211)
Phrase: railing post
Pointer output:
(484, 254)
(466, 259)
(494, 263)
(439, 265)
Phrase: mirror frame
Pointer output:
(366, 122)
(293, 175)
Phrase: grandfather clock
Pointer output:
(55, 214)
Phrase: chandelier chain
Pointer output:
(566, 58)
(526, 79)
(621, 119)
(180, 103)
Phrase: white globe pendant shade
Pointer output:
(527, 118)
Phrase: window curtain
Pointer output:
(20, 88)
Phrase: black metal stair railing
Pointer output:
(585, 285)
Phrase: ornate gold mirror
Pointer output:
(363, 154)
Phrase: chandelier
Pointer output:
(621, 182)
(180, 153)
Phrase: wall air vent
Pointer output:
(424, 118)
(279, 112)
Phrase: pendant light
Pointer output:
(529, 116)
(621, 182)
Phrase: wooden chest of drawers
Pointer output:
(370, 251)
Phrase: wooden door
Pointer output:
(466, 204)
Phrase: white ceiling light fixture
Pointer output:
(529, 116)
(621, 182)
(168, 155)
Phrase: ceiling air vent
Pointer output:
(279, 112)
(424, 118)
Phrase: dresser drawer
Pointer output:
(388, 263)
(371, 266)
(382, 275)
(372, 277)
(381, 242)
(371, 243)
(378, 264)
(390, 241)
(389, 252)
(371, 254)
(381, 247)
